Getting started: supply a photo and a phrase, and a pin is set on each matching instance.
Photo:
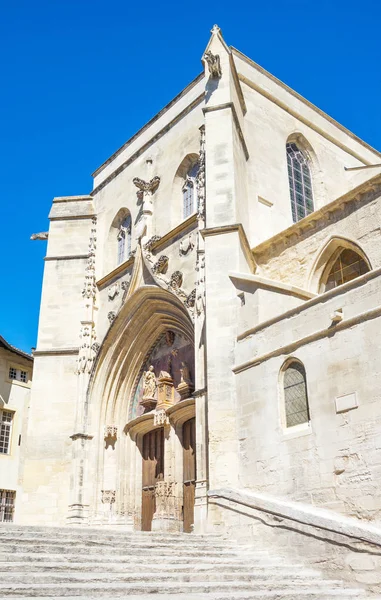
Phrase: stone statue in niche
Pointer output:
(149, 384)
(184, 373)
(169, 337)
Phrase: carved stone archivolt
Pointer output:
(214, 65)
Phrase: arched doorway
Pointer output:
(140, 469)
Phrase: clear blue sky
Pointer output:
(79, 77)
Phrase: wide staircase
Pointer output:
(43, 562)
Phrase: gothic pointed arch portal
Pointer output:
(153, 329)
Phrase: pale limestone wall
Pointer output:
(166, 155)
(49, 448)
(335, 462)
(16, 397)
(292, 260)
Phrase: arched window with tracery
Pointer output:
(347, 265)
(124, 240)
(190, 191)
(300, 182)
(295, 394)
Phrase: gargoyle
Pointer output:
(40, 236)
(214, 66)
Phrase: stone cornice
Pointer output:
(317, 216)
(236, 227)
(56, 352)
(119, 270)
(72, 199)
(149, 143)
(175, 232)
(230, 105)
(71, 257)
(302, 99)
(257, 281)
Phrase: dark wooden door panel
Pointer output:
(189, 473)
(153, 471)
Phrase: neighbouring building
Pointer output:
(209, 319)
(16, 370)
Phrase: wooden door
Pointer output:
(189, 471)
(153, 471)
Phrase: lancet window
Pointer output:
(124, 240)
(295, 394)
(299, 178)
(190, 191)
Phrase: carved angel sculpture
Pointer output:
(149, 383)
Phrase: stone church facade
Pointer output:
(209, 318)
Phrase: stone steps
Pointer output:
(63, 577)
(98, 590)
(88, 564)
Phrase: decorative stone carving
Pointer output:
(111, 316)
(160, 417)
(149, 389)
(200, 284)
(126, 283)
(108, 496)
(111, 435)
(186, 245)
(43, 235)
(164, 489)
(90, 288)
(176, 280)
(165, 391)
(200, 179)
(95, 347)
(113, 291)
(148, 245)
(86, 352)
(146, 187)
(190, 301)
(214, 66)
(161, 264)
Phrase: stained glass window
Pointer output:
(346, 267)
(295, 395)
(299, 178)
